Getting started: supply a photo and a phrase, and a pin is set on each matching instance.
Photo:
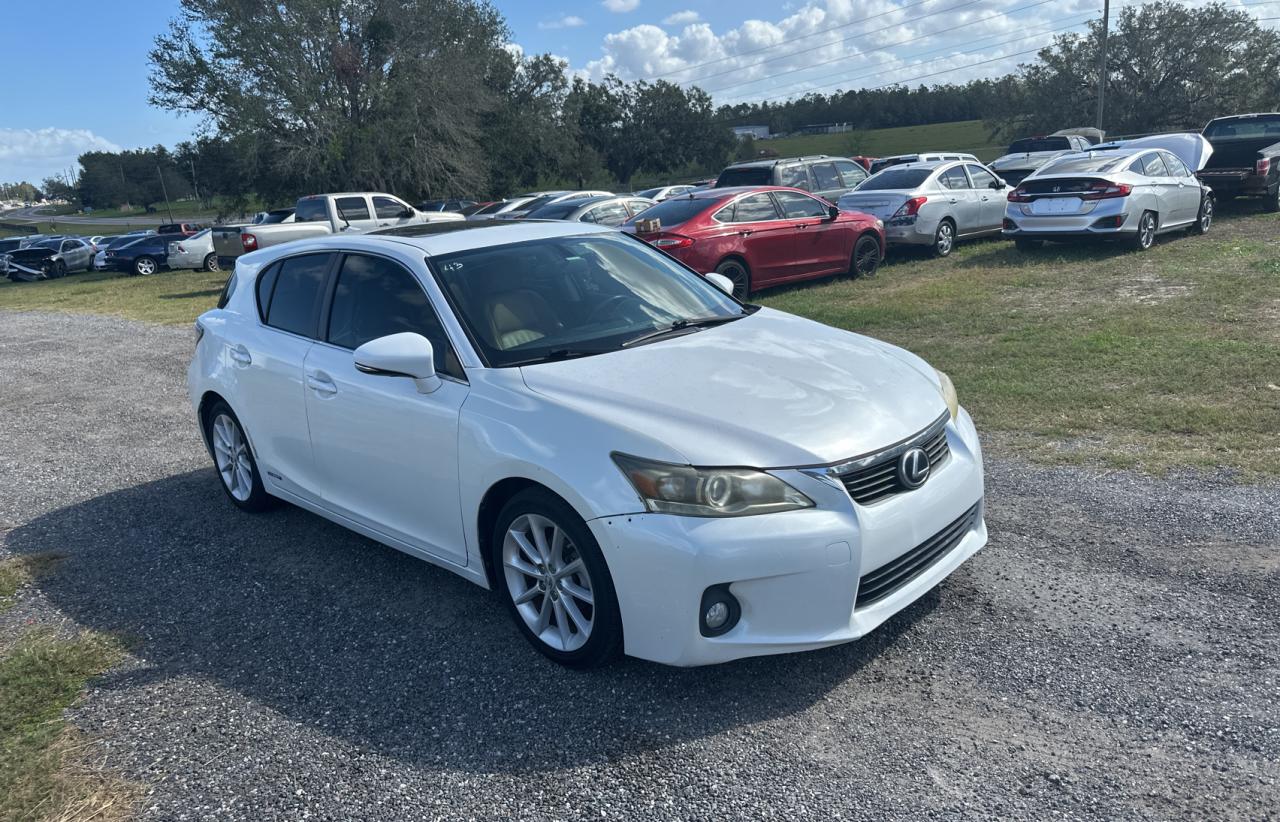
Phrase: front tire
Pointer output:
(944, 239)
(866, 257)
(553, 578)
(59, 269)
(210, 262)
(737, 271)
(145, 266)
(233, 459)
(1145, 236)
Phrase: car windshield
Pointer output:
(1030, 144)
(895, 178)
(54, 244)
(123, 241)
(649, 193)
(494, 207)
(675, 211)
(276, 216)
(1083, 164)
(557, 211)
(745, 176)
(202, 232)
(1245, 128)
(562, 297)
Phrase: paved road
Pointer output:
(1112, 654)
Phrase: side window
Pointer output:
(352, 208)
(795, 206)
(385, 208)
(228, 288)
(1153, 166)
(265, 285)
(954, 178)
(793, 177)
(825, 176)
(1176, 167)
(638, 206)
(981, 177)
(68, 245)
(753, 208)
(299, 288)
(1137, 166)
(608, 214)
(310, 210)
(851, 174)
(376, 297)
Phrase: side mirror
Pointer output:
(833, 212)
(400, 355)
(405, 214)
(721, 282)
(997, 184)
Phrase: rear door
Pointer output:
(1187, 192)
(826, 181)
(267, 356)
(353, 214)
(764, 238)
(795, 176)
(961, 200)
(821, 244)
(991, 200)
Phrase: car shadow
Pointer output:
(375, 647)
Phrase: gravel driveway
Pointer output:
(1113, 653)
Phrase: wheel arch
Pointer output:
(209, 399)
(491, 503)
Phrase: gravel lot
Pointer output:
(1113, 653)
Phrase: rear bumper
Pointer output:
(1108, 218)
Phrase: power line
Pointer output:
(888, 45)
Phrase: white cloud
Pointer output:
(569, 21)
(823, 45)
(620, 6)
(681, 17)
(33, 154)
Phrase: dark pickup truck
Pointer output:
(1246, 157)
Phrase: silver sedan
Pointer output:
(603, 210)
(932, 204)
(194, 252)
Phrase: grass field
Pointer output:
(1083, 354)
(966, 135)
(77, 229)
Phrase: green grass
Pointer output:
(1093, 354)
(44, 771)
(77, 229)
(966, 135)
(169, 297)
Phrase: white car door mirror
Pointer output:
(721, 282)
(400, 355)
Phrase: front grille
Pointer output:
(880, 479)
(883, 581)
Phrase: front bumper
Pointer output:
(795, 574)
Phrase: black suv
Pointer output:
(825, 176)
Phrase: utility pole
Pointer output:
(165, 189)
(194, 186)
(1102, 60)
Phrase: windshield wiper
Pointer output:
(558, 354)
(681, 325)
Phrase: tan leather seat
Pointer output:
(519, 317)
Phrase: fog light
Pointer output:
(720, 611)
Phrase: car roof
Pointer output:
(769, 163)
(435, 239)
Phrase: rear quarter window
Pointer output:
(674, 212)
(298, 290)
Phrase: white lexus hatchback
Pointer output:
(635, 461)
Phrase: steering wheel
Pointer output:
(609, 306)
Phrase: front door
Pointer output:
(992, 201)
(387, 454)
(765, 238)
(354, 214)
(820, 242)
(391, 212)
(962, 201)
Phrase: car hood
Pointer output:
(1192, 149)
(30, 254)
(1029, 159)
(771, 390)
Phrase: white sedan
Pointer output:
(634, 459)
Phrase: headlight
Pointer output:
(708, 492)
(949, 393)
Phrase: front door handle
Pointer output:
(745, 233)
(321, 384)
(953, 201)
(241, 355)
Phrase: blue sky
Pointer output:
(94, 94)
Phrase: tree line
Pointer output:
(426, 98)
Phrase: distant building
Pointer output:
(826, 128)
(754, 132)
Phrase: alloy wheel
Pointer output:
(231, 454)
(145, 267)
(866, 257)
(1147, 230)
(211, 263)
(945, 239)
(548, 582)
(1206, 215)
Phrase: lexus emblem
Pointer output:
(913, 468)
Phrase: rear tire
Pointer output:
(1205, 218)
(145, 266)
(210, 262)
(866, 257)
(1027, 246)
(582, 598)
(737, 271)
(1145, 236)
(944, 239)
(234, 461)
(1273, 200)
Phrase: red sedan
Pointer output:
(761, 236)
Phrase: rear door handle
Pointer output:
(953, 200)
(321, 384)
(745, 233)
(241, 355)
